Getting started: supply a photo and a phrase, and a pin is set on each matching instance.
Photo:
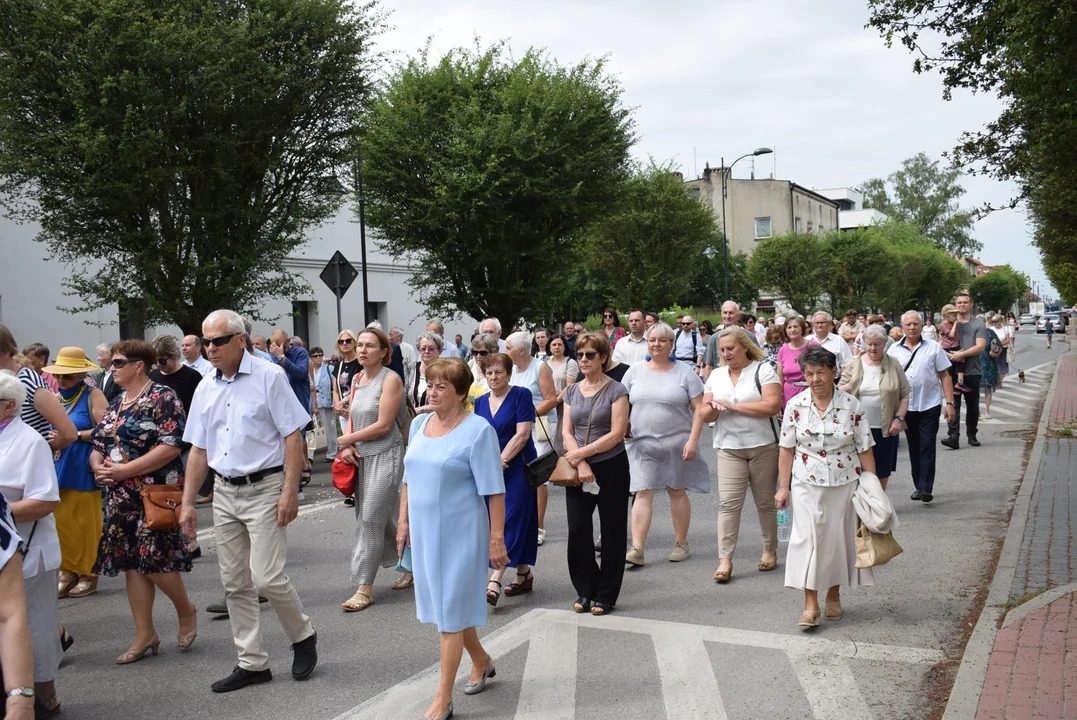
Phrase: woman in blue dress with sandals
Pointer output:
(452, 514)
(509, 409)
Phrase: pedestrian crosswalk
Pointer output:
(1015, 402)
(682, 662)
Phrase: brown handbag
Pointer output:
(564, 475)
(160, 503)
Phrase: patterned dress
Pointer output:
(154, 419)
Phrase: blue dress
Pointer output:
(521, 500)
(448, 479)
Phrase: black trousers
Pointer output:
(972, 409)
(922, 430)
(592, 582)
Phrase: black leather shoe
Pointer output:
(305, 657)
(240, 679)
(221, 608)
(973, 441)
(926, 497)
(916, 495)
(952, 442)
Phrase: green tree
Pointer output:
(174, 153)
(998, 289)
(922, 193)
(650, 242)
(791, 267)
(707, 285)
(482, 171)
(857, 271)
(920, 276)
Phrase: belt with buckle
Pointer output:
(253, 477)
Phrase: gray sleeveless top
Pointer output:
(364, 412)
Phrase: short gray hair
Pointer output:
(104, 348)
(662, 329)
(440, 327)
(433, 337)
(519, 341)
(907, 313)
(395, 330)
(11, 388)
(485, 340)
(876, 332)
(495, 321)
(232, 320)
(733, 303)
(822, 312)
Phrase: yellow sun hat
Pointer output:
(71, 361)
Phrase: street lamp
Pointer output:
(337, 190)
(726, 172)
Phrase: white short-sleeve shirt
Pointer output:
(630, 351)
(923, 374)
(241, 422)
(826, 447)
(733, 431)
(27, 471)
(836, 345)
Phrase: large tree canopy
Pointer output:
(483, 170)
(999, 289)
(175, 152)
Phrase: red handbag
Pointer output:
(345, 474)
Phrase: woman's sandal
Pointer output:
(67, 582)
(492, 596)
(66, 639)
(766, 567)
(723, 576)
(404, 582)
(519, 588)
(833, 611)
(87, 586)
(809, 620)
(601, 608)
(581, 605)
(358, 601)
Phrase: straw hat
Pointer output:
(71, 361)
(947, 309)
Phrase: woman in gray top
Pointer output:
(596, 420)
(662, 452)
(375, 444)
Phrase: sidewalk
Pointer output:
(1021, 661)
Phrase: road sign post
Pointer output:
(339, 274)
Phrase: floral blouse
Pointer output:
(155, 419)
(827, 447)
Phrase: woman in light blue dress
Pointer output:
(452, 471)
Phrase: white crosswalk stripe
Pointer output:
(1014, 403)
(690, 689)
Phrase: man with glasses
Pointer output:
(823, 326)
(192, 355)
(246, 423)
(688, 343)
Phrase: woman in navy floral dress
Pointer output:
(138, 441)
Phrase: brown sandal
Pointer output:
(767, 567)
(721, 576)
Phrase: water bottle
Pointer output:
(785, 523)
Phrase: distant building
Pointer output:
(975, 267)
(759, 209)
(851, 211)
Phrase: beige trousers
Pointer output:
(737, 470)
(252, 551)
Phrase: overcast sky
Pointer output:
(720, 78)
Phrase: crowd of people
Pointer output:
(443, 438)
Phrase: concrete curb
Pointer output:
(968, 686)
(1040, 601)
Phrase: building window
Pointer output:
(302, 311)
(762, 228)
(796, 225)
(132, 326)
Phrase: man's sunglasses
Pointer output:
(219, 341)
(589, 354)
(686, 324)
(480, 353)
(118, 363)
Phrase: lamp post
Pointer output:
(336, 189)
(725, 193)
(710, 252)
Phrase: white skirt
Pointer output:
(822, 546)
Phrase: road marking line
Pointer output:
(689, 687)
(549, 684)
(830, 687)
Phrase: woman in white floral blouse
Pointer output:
(825, 443)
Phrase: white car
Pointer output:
(1057, 322)
(1027, 319)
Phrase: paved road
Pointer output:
(679, 646)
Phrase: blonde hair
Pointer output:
(753, 351)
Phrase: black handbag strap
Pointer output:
(909, 364)
(26, 545)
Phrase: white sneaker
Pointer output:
(302, 497)
(710, 425)
(541, 537)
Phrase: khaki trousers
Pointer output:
(737, 470)
(252, 551)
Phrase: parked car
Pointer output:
(1058, 323)
(1027, 319)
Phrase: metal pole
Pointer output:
(336, 291)
(362, 237)
(725, 238)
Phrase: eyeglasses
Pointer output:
(317, 355)
(479, 353)
(118, 363)
(606, 315)
(162, 361)
(219, 341)
(345, 341)
(686, 324)
(589, 354)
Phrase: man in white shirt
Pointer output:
(493, 326)
(928, 370)
(688, 344)
(246, 423)
(632, 348)
(448, 350)
(407, 352)
(191, 347)
(823, 326)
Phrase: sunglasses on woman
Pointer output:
(480, 353)
(345, 341)
(607, 315)
(118, 363)
(589, 354)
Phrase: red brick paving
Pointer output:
(1064, 406)
(1032, 673)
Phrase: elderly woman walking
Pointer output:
(452, 514)
(788, 368)
(878, 381)
(742, 397)
(28, 484)
(376, 446)
(825, 444)
(663, 452)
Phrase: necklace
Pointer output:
(128, 403)
(69, 405)
(600, 383)
(459, 418)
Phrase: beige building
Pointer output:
(760, 209)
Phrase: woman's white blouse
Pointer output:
(826, 447)
(733, 431)
(27, 471)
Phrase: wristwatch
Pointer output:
(21, 692)
(950, 403)
(899, 418)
